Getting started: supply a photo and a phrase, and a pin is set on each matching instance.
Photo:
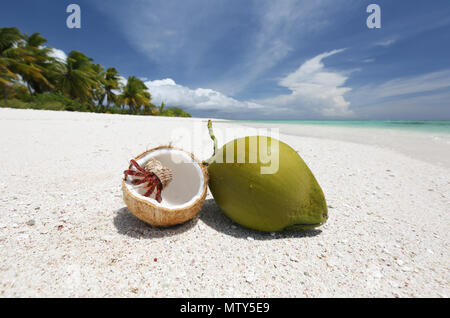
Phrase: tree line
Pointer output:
(32, 77)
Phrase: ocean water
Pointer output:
(431, 126)
(425, 140)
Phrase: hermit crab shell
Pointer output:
(182, 198)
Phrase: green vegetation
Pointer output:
(30, 77)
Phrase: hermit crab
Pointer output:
(152, 176)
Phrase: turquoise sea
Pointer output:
(432, 126)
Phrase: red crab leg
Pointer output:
(134, 173)
(134, 163)
(150, 190)
(156, 179)
(158, 193)
(141, 181)
(152, 178)
(130, 172)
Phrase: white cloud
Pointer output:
(434, 106)
(314, 88)
(402, 88)
(173, 94)
(122, 80)
(59, 55)
(424, 96)
(415, 84)
(385, 43)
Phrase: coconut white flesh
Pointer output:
(187, 179)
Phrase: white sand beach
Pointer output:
(65, 231)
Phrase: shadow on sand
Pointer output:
(212, 216)
(127, 224)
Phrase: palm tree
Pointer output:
(79, 80)
(98, 92)
(161, 108)
(10, 58)
(111, 83)
(7, 77)
(39, 59)
(135, 94)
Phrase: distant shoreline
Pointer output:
(427, 145)
(432, 126)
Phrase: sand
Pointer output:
(65, 231)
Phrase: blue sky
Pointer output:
(261, 59)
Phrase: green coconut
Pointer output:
(262, 195)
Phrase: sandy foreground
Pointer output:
(65, 231)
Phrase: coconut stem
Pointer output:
(211, 134)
